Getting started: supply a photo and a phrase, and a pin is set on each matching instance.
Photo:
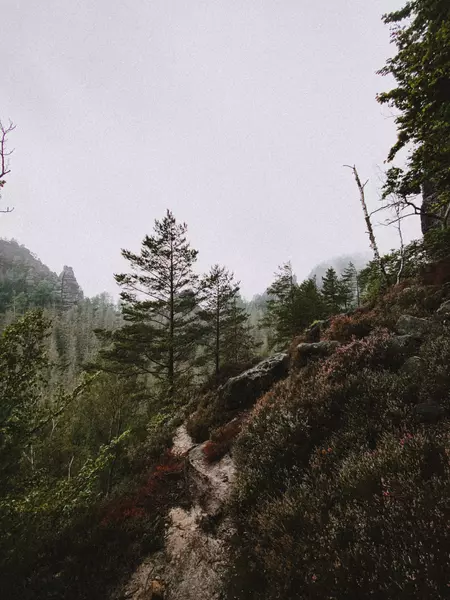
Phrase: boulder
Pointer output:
(444, 309)
(305, 352)
(157, 589)
(404, 345)
(243, 390)
(428, 413)
(414, 326)
(412, 365)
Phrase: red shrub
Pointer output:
(214, 451)
(344, 328)
(151, 494)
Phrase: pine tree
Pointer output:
(310, 301)
(282, 306)
(239, 343)
(350, 286)
(159, 302)
(227, 336)
(332, 292)
(421, 69)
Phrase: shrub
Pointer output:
(222, 439)
(341, 491)
(437, 243)
(205, 417)
(344, 328)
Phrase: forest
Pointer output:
(328, 396)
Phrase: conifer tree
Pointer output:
(350, 286)
(421, 69)
(159, 301)
(227, 336)
(282, 306)
(239, 344)
(310, 301)
(332, 292)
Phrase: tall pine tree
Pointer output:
(159, 300)
(332, 292)
(227, 336)
(282, 314)
(310, 303)
(350, 286)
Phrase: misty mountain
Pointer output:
(339, 263)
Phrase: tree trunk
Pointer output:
(171, 325)
(373, 242)
(217, 348)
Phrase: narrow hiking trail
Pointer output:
(195, 556)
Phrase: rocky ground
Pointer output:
(195, 556)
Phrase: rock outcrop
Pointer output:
(305, 353)
(408, 325)
(70, 290)
(243, 390)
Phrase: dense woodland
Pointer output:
(341, 491)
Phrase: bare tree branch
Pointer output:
(5, 130)
(373, 242)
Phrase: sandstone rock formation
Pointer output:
(243, 391)
(408, 325)
(71, 292)
(306, 352)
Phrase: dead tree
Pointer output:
(5, 130)
(373, 242)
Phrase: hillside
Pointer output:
(26, 282)
(183, 443)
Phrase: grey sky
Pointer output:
(236, 114)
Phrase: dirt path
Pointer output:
(195, 556)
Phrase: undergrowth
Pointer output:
(343, 486)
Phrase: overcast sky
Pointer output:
(236, 114)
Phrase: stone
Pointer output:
(243, 390)
(406, 345)
(429, 413)
(305, 352)
(409, 325)
(444, 309)
(71, 292)
(158, 589)
(412, 365)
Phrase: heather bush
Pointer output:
(222, 439)
(342, 489)
(206, 416)
(343, 328)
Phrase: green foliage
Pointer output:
(291, 307)
(333, 293)
(437, 243)
(281, 311)
(350, 289)
(421, 68)
(158, 305)
(399, 265)
(227, 336)
(22, 360)
(25, 283)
